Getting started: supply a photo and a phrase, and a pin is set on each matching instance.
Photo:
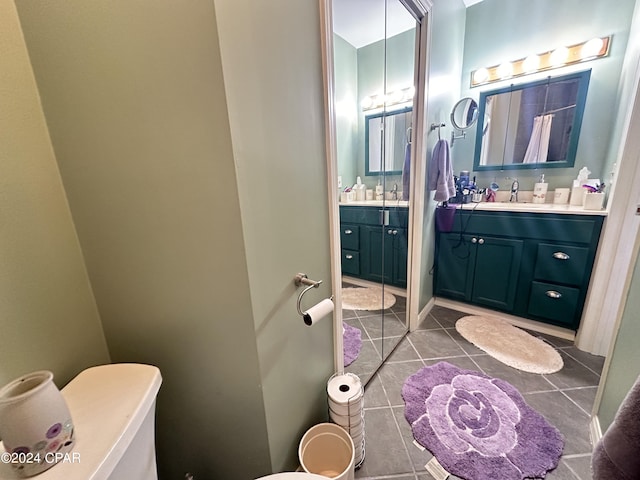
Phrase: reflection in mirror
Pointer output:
(385, 148)
(523, 126)
(464, 113)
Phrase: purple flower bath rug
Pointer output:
(478, 427)
(352, 343)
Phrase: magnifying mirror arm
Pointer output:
(455, 137)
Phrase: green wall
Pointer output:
(490, 38)
(445, 63)
(360, 73)
(191, 147)
(48, 316)
(274, 91)
(395, 66)
(624, 366)
(348, 110)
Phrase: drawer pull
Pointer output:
(348, 232)
(553, 294)
(474, 240)
(481, 241)
(348, 257)
(561, 256)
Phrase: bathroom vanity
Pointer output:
(534, 264)
(374, 244)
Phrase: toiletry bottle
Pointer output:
(359, 188)
(379, 191)
(540, 190)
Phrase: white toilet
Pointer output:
(113, 412)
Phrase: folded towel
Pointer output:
(441, 172)
(615, 456)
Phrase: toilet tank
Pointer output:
(113, 412)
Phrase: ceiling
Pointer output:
(361, 22)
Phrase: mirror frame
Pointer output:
(384, 114)
(583, 86)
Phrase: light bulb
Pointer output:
(481, 75)
(559, 56)
(591, 48)
(531, 63)
(505, 70)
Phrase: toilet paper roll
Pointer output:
(345, 388)
(318, 311)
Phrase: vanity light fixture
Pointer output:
(589, 50)
(395, 97)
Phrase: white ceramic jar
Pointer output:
(35, 423)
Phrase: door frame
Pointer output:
(421, 10)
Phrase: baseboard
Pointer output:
(424, 312)
(595, 432)
(512, 319)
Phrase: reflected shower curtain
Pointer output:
(538, 147)
(486, 129)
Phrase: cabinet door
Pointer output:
(454, 266)
(399, 254)
(375, 259)
(497, 268)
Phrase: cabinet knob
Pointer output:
(390, 232)
(348, 257)
(481, 241)
(553, 294)
(474, 240)
(348, 232)
(561, 256)
(395, 232)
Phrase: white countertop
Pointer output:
(492, 206)
(530, 207)
(376, 203)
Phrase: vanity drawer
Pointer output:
(350, 262)
(561, 263)
(350, 236)
(554, 302)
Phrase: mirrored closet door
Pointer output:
(374, 60)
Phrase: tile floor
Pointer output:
(564, 398)
(373, 330)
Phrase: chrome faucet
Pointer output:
(514, 191)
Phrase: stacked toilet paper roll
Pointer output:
(346, 408)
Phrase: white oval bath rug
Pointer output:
(511, 345)
(366, 298)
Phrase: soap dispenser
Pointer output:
(540, 190)
(359, 188)
(379, 191)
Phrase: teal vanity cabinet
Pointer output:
(533, 265)
(481, 269)
(374, 243)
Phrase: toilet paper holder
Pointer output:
(302, 279)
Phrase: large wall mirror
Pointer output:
(385, 148)
(531, 125)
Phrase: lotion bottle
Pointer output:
(540, 190)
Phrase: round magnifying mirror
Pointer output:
(464, 113)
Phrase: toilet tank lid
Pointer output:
(108, 403)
